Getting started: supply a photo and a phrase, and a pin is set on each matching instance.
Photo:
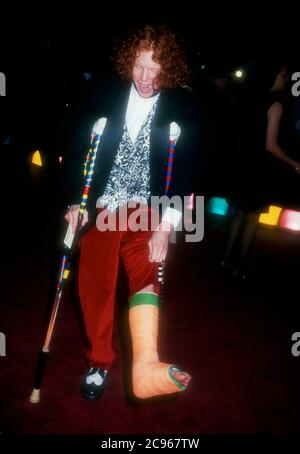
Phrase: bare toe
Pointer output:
(183, 378)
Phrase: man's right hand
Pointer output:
(72, 216)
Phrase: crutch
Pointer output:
(69, 246)
(174, 136)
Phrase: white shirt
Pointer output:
(137, 110)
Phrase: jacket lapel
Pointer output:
(159, 145)
(112, 133)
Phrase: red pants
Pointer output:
(98, 270)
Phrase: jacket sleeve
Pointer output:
(188, 147)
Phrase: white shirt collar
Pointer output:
(137, 110)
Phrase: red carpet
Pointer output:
(234, 339)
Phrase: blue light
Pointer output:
(218, 205)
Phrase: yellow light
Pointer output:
(270, 218)
(37, 159)
(238, 73)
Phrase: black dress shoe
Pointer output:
(93, 384)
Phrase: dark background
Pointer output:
(234, 337)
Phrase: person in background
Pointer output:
(262, 166)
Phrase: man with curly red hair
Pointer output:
(132, 165)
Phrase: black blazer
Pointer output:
(110, 100)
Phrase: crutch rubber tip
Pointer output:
(35, 396)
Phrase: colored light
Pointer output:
(239, 74)
(270, 218)
(218, 205)
(37, 159)
(60, 158)
(290, 219)
(191, 202)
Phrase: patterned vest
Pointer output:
(130, 175)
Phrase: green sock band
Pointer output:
(138, 299)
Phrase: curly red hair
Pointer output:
(166, 52)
